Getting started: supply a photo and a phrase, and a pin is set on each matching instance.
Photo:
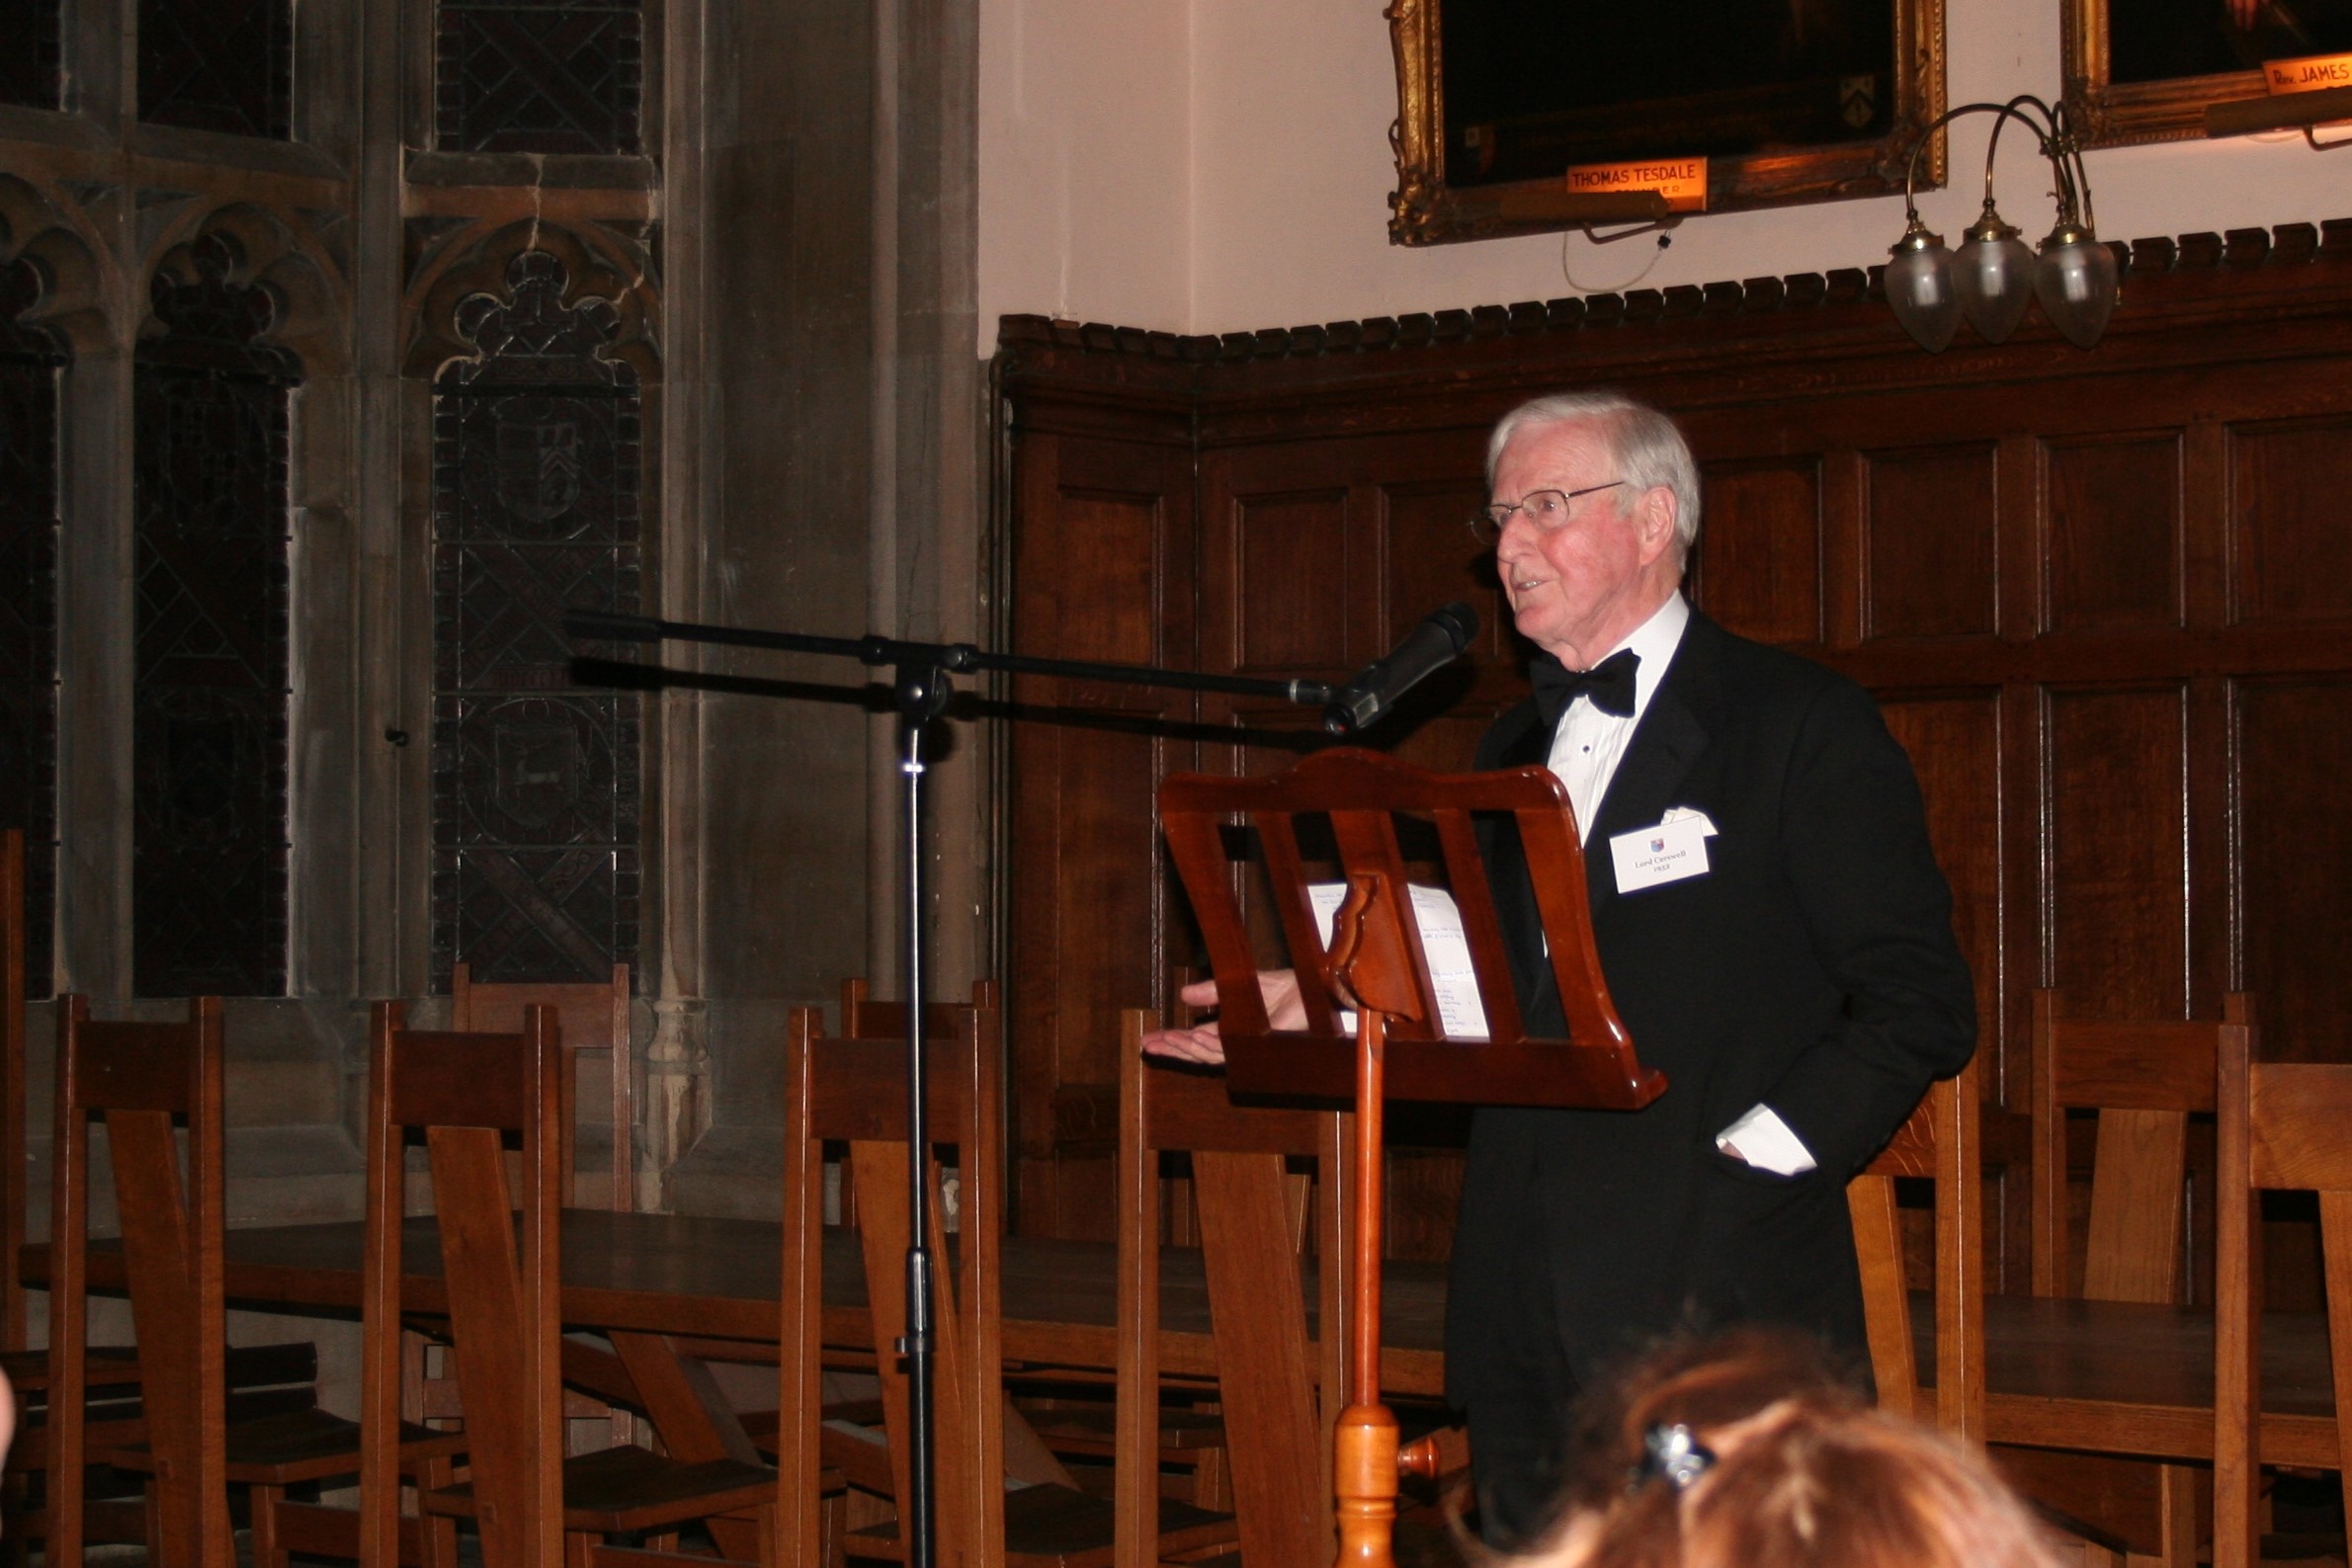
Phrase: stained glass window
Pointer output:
(537, 75)
(208, 686)
(29, 365)
(217, 65)
(536, 491)
(29, 57)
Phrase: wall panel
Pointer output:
(2105, 597)
(2114, 555)
(2289, 482)
(1929, 542)
(2116, 851)
(2296, 842)
(1759, 564)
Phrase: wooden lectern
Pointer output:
(1378, 964)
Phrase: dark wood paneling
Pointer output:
(1432, 559)
(1930, 543)
(1292, 551)
(1105, 573)
(2105, 597)
(1759, 564)
(1105, 612)
(2115, 533)
(2295, 755)
(1955, 746)
(2116, 851)
(2290, 482)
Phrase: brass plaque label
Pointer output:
(1681, 181)
(2308, 74)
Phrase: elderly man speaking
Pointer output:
(1796, 979)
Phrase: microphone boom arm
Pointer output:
(960, 658)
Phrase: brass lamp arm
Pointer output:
(2051, 136)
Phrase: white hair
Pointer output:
(1648, 447)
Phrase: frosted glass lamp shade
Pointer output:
(1918, 285)
(1993, 271)
(2075, 280)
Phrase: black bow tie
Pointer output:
(1610, 684)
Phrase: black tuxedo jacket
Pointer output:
(1812, 968)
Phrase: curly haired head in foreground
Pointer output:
(1746, 1455)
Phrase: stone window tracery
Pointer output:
(548, 76)
(29, 363)
(224, 65)
(29, 58)
(537, 455)
(210, 685)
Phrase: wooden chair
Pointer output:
(1269, 1371)
(854, 1091)
(2282, 1126)
(595, 1018)
(1938, 1143)
(141, 1077)
(1032, 1448)
(110, 1372)
(589, 1017)
(465, 1094)
(2142, 1080)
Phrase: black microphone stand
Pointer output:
(922, 690)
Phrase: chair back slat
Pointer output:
(2120, 1066)
(861, 1090)
(455, 1080)
(2302, 1126)
(463, 1094)
(2132, 1247)
(127, 1067)
(492, 1319)
(863, 1018)
(139, 1077)
(1188, 1109)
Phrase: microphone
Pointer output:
(1432, 645)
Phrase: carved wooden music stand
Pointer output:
(1378, 964)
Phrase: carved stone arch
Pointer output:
(71, 306)
(311, 314)
(597, 265)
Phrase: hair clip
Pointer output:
(1671, 1453)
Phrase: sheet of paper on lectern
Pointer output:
(1461, 1013)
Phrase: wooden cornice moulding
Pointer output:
(2241, 250)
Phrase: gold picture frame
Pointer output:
(2111, 114)
(1425, 210)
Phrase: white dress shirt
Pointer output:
(1585, 751)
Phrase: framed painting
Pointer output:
(2144, 70)
(1781, 101)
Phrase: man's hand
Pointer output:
(1284, 1010)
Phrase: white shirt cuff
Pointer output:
(1765, 1143)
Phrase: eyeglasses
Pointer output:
(1547, 509)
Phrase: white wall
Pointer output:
(1086, 164)
(1223, 165)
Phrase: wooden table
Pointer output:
(2145, 1373)
(717, 1278)
(2139, 1377)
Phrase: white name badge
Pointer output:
(1668, 852)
